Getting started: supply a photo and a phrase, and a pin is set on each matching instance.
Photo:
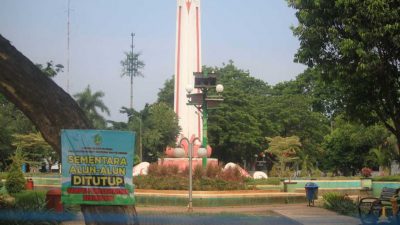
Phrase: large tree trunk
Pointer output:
(51, 109)
(47, 105)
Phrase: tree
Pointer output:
(321, 95)
(356, 46)
(160, 129)
(48, 107)
(15, 181)
(34, 148)
(286, 150)
(292, 115)
(238, 127)
(166, 94)
(90, 103)
(253, 110)
(12, 121)
(347, 148)
(131, 67)
(384, 154)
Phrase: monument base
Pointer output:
(183, 163)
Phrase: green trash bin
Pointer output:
(311, 192)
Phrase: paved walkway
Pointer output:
(289, 214)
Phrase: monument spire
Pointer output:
(188, 60)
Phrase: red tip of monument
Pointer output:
(188, 4)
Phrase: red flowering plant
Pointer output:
(366, 172)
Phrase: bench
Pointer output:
(370, 209)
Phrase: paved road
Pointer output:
(290, 214)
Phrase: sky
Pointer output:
(254, 34)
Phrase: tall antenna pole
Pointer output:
(68, 48)
(131, 69)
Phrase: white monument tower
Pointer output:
(187, 61)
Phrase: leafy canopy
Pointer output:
(356, 46)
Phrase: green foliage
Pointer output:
(32, 201)
(3, 175)
(136, 160)
(166, 94)
(253, 110)
(156, 183)
(286, 150)
(236, 128)
(198, 172)
(15, 179)
(34, 148)
(231, 174)
(339, 203)
(51, 70)
(384, 153)
(268, 181)
(387, 178)
(159, 128)
(169, 178)
(347, 147)
(90, 103)
(6, 202)
(12, 121)
(212, 171)
(156, 127)
(294, 115)
(25, 205)
(355, 44)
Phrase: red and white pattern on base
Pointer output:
(183, 163)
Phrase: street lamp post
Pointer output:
(140, 139)
(190, 151)
(203, 102)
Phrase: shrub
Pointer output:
(198, 172)
(160, 170)
(153, 169)
(6, 202)
(3, 175)
(232, 174)
(274, 172)
(387, 178)
(31, 200)
(366, 172)
(212, 171)
(15, 179)
(173, 170)
(268, 181)
(317, 173)
(185, 172)
(339, 203)
(27, 205)
(212, 178)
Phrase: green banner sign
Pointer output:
(97, 167)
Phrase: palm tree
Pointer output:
(385, 153)
(90, 103)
